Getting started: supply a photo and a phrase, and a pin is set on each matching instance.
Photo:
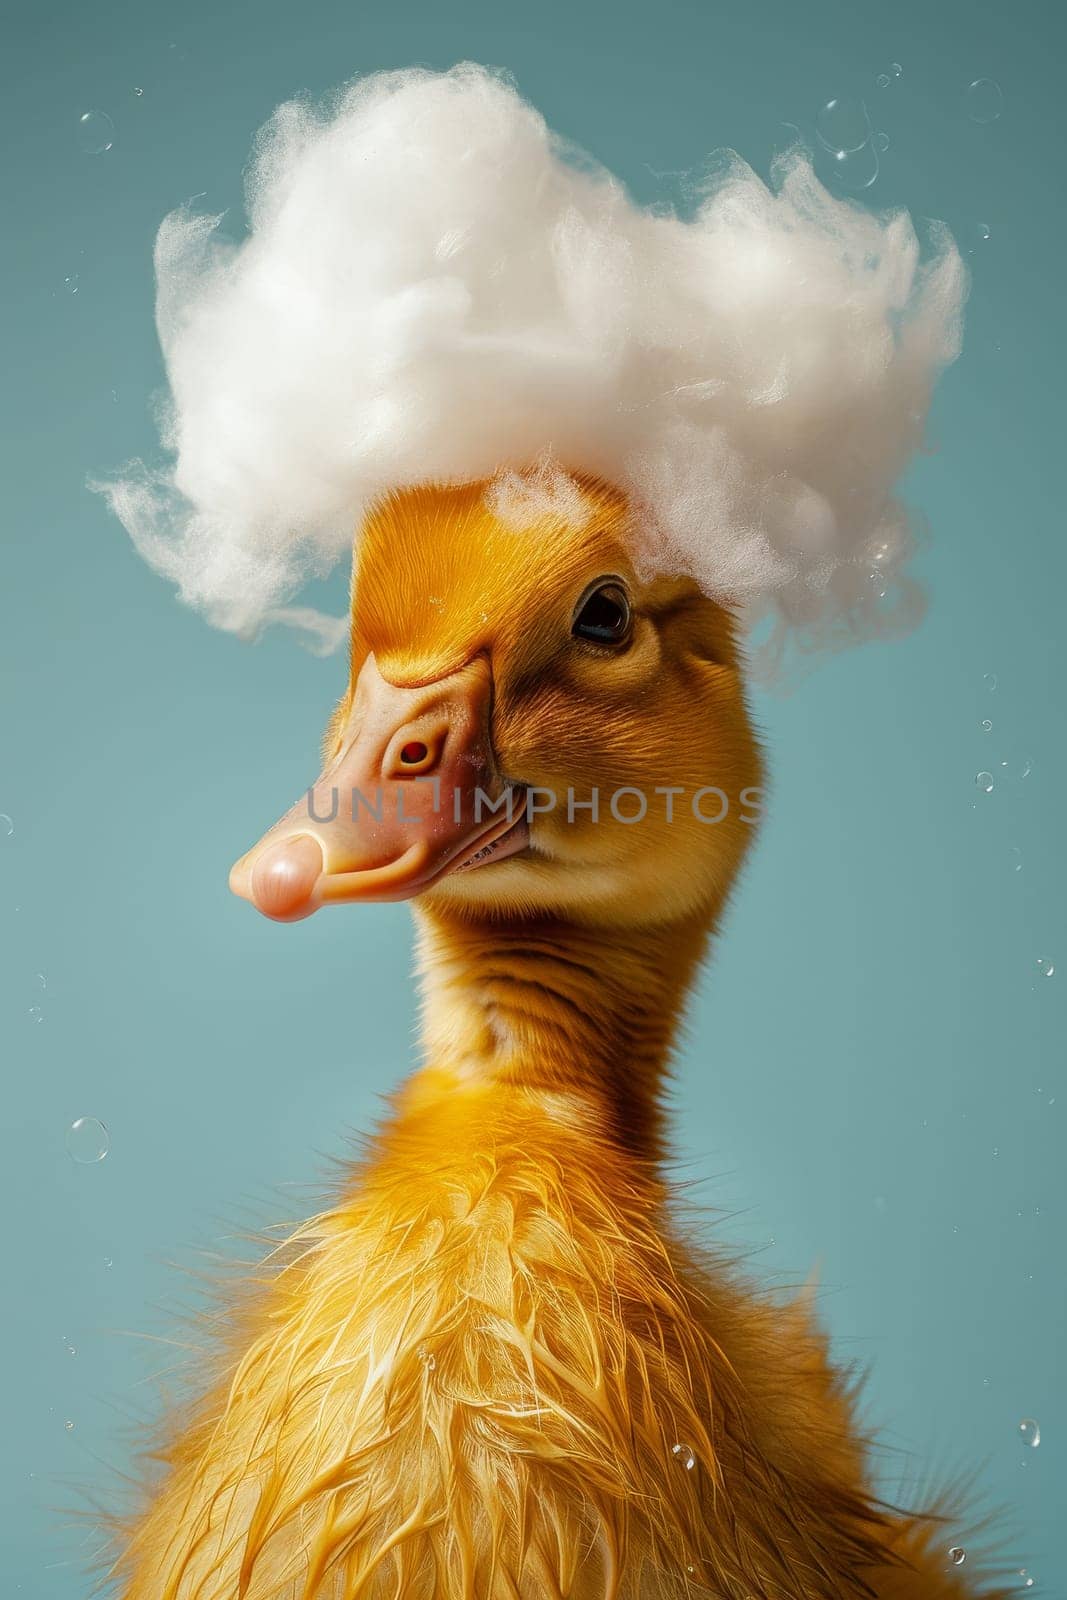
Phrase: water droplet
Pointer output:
(1025, 1578)
(843, 126)
(71, 283)
(984, 780)
(1046, 968)
(7, 827)
(427, 1357)
(684, 1456)
(1030, 1433)
(984, 99)
(957, 1555)
(96, 132)
(883, 80)
(87, 1141)
(36, 1014)
(987, 726)
(990, 681)
(69, 1425)
(881, 142)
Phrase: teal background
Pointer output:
(872, 1083)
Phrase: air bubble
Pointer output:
(957, 1555)
(72, 283)
(96, 132)
(1030, 1433)
(990, 681)
(427, 1357)
(138, 93)
(7, 827)
(883, 80)
(69, 1425)
(984, 100)
(896, 69)
(987, 726)
(1046, 968)
(36, 1014)
(684, 1456)
(984, 231)
(88, 1141)
(843, 126)
(984, 780)
(855, 170)
(1016, 858)
(1025, 1578)
(881, 142)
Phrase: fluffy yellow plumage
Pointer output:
(496, 1368)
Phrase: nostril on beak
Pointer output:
(415, 757)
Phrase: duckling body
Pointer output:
(495, 1369)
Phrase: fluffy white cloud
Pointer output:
(433, 287)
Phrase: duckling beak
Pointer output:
(412, 793)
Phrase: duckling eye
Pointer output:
(604, 615)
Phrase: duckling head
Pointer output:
(533, 724)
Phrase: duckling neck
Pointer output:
(557, 1009)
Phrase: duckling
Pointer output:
(497, 1367)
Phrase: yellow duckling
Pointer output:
(496, 1368)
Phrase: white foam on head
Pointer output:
(433, 288)
(526, 498)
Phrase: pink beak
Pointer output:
(412, 794)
